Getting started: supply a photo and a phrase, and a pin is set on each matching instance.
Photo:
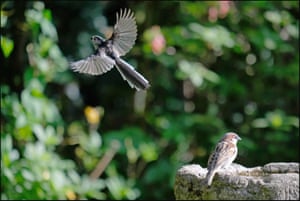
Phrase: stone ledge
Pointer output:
(273, 181)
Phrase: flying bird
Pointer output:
(224, 154)
(108, 51)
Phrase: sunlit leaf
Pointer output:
(7, 46)
(196, 72)
(148, 152)
(217, 36)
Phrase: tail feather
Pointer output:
(209, 177)
(129, 74)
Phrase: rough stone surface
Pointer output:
(273, 181)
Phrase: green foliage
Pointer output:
(7, 46)
(213, 66)
(32, 127)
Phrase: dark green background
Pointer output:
(224, 66)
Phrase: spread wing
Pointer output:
(124, 33)
(93, 65)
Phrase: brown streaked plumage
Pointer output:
(223, 155)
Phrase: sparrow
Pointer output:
(108, 51)
(224, 154)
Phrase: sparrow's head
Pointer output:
(231, 137)
(97, 40)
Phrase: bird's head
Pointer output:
(231, 137)
(97, 40)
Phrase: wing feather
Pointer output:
(223, 153)
(94, 64)
(124, 33)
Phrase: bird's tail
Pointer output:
(134, 79)
(209, 177)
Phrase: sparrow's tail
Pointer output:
(209, 177)
(134, 79)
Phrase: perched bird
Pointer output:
(223, 155)
(108, 51)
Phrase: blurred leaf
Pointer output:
(216, 36)
(8, 153)
(196, 72)
(260, 123)
(121, 189)
(148, 152)
(7, 45)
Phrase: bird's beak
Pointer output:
(238, 138)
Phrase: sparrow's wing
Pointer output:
(223, 153)
(94, 64)
(124, 33)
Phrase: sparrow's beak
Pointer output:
(238, 138)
